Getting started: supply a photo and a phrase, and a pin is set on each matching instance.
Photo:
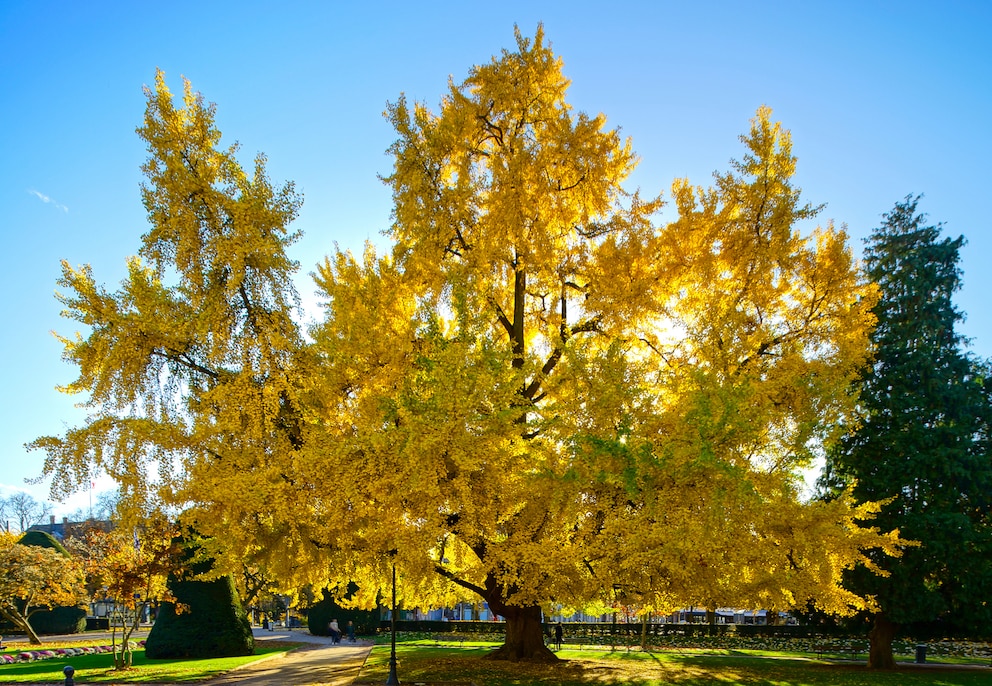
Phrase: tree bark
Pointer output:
(524, 637)
(524, 629)
(880, 643)
(22, 622)
(125, 659)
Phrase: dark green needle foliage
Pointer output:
(922, 441)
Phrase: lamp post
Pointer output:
(616, 591)
(393, 680)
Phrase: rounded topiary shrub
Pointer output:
(213, 625)
(42, 539)
(213, 622)
(321, 614)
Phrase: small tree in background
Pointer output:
(25, 510)
(131, 567)
(35, 578)
(63, 619)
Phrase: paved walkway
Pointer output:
(320, 663)
(317, 662)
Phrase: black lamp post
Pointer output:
(393, 680)
(616, 591)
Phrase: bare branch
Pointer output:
(503, 319)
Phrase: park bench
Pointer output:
(577, 640)
(448, 638)
(855, 649)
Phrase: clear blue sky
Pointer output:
(883, 99)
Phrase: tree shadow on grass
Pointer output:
(646, 669)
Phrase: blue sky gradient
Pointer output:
(883, 99)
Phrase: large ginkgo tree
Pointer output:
(540, 394)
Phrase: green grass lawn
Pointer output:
(684, 668)
(98, 668)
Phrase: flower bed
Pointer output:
(47, 654)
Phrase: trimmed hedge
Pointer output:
(321, 614)
(605, 630)
(214, 625)
(59, 620)
(213, 622)
(433, 626)
(42, 539)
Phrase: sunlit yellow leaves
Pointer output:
(506, 178)
(539, 391)
(186, 369)
(130, 565)
(771, 328)
(34, 578)
(551, 385)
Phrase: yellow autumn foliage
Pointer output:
(34, 578)
(541, 392)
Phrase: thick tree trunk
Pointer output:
(880, 643)
(524, 636)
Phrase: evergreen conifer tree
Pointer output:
(921, 440)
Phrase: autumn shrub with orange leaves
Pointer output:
(129, 567)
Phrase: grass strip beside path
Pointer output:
(585, 668)
(98, 668)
